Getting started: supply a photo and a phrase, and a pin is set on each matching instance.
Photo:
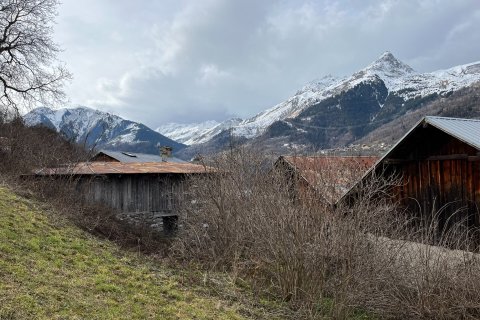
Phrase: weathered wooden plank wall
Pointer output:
(137, 193)
(439, 172)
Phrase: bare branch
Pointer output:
(29, 70)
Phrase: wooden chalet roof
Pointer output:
(105, 168)
(331, 176)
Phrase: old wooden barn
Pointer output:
(141, 192)
(438, 164)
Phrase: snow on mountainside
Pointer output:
(100, 129)
(305, 97)
(399, 79)
(196, 133)
(80, 120)
(185, 133)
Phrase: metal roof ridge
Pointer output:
(450, 118)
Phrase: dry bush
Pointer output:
(245, 220)
(328, 262)
(23, 149)
(413, 279)
(62, 193)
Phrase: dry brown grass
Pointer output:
(327, 262)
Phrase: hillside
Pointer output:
(49, 269)
(101, 130)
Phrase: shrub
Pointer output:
(327, 261)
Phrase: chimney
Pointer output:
(165, 152)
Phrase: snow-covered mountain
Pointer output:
(332, 110)
(100, 129)
(325, 113)
(196, 133)
(399, 79)
(402, 80)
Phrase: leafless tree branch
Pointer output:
(29, 70)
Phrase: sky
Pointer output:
(161, 61)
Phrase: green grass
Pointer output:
(50, 269)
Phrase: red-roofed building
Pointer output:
(325, 177)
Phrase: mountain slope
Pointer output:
(464, 103)
(100, 129)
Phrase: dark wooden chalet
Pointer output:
(438, 164)
(141, 191)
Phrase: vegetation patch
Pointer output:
(50, 269)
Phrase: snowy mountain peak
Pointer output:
(387, 75)
(389, 66)
(96, 128)
(389, 69)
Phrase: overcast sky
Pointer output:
(160, 61)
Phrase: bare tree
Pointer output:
(29, 69)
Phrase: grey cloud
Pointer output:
(196, 60)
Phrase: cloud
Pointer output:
(194, 60)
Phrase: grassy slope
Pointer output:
(52, 270)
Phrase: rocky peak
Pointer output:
(388, 65)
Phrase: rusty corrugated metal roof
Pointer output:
(316, 163)
(102, 168)
(331, 175)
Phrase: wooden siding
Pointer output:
(136, 193)
(440, 175)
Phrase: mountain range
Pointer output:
(332, 111)
(100, 130)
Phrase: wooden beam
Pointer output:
(434, 158)
(449, 157)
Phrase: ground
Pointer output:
(49, 269)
